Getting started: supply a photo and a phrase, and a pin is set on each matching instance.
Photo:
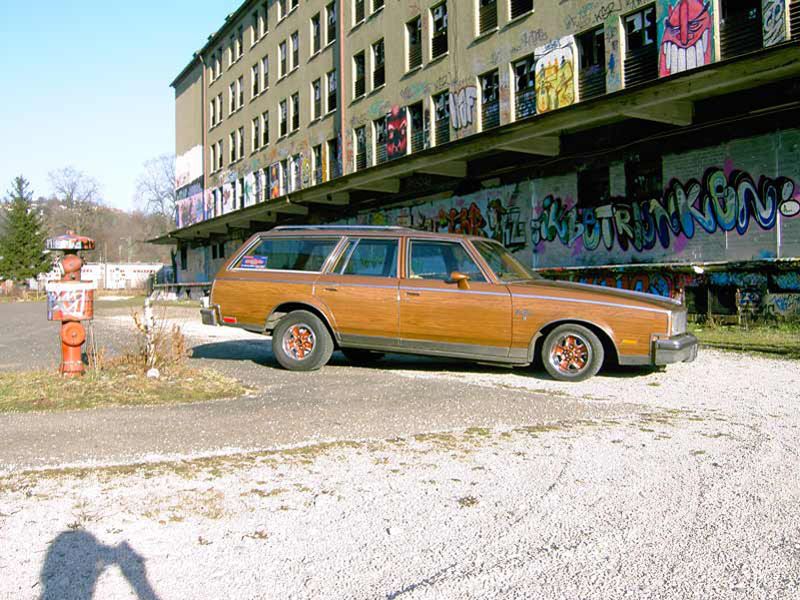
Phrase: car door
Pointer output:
(360, 290)
(438, 316)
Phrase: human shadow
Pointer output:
(75, 561)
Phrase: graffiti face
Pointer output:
(555, 76)
(396, 127)
(686, 39)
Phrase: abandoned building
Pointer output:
(647, 145)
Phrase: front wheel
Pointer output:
(572, 353)
(301, 342)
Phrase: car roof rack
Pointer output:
(338, 227)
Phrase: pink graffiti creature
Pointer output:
(686, 42)
(396, 132)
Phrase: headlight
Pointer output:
(679, 322)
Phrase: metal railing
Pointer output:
(490, 114)
(525, 104)
(740, 34)
(438, 44)
(641, 65)
(592, 82)
(414, 56)
(487, 18)
(442, 130)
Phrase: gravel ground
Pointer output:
(675, 484)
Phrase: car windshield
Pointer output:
(502, 262)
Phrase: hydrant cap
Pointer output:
(73, 334)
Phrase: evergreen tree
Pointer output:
(22, 237)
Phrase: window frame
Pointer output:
(487, 277)
(337, 239)
(345, 255)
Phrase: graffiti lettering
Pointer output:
(720, 202)
(462, 107)
(774, 18)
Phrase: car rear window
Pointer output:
(288, 254)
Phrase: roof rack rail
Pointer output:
(346, 227)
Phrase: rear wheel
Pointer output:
(572, 353)
(360, 357)
(301, 342)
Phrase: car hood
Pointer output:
(595, 292)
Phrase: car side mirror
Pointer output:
(461, 279)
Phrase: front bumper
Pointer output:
(678, 348)
(210, 315)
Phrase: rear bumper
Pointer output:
(210, 315)
(678, 348)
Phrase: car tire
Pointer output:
(572, 353)
(301, 342)
(359, 356)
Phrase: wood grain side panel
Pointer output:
(361, 305)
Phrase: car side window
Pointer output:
(288, 254)
(371, 258)
(437, 260)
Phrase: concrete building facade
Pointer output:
(640, 144)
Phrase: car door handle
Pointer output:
(412, 294)
(331, 289)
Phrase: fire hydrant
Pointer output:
(70, 300)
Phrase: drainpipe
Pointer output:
(203, 121)
(342, 109)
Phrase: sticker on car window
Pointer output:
(253, 262)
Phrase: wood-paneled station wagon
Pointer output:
(371, 290)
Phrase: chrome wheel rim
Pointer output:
(299, 341)
(571, 354)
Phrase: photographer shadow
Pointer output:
(75, 561)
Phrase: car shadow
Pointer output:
(75, 560)
(260, 353)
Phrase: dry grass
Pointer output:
(781, 339)
(118, 385)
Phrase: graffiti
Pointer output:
(613, 49)
(595, 12)
(190, 206)
(188, 166)
(782, 305)
(662, 284)
(506, 225)
(686, 36)
(718, 203)
(789, 281)
(396, 133)
(555, 75)
(306, 169)
(462, 107)
(418, 90)
(737, 279)
(275, 180)
(774, 19)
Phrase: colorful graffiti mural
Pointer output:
(774, 21)
(188, 166)
(669, 285)
(275, 180)
(462, 107)
(555, 75)
(190, 205)
(719, 202)
(686, 35)
(396, 133)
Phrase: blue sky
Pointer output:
(86, 83)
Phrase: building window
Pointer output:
(525, 87)
(256, 79)
(316, 99)
(358, 11)
(490, 99)
(254, 35)
(316, 159)
(294, 173)
(330, 19)
(257, 185)
(293, 4)
(265, 128)
(240, 193)
(520, 7)
(267, 184)
(359, 80)
(414, 40)
(594, 188)
(361, 148)
(282, 57)
(334, 159)
(487, 16)
(184, 258)
(233, 147)
(232, 98)
(240, 140)
(240, 90)
(256, 133)
(740, 32)
(264, 73)
(283, 119)
(239, 42)
(295, 111)
(331, 89)
(316, 34)
(264, 20)
(378, 65)
(213, 157)
(231, 43)
(295, 50)
(644, 178)
(416, 119)
(592, 48)
(641, 58)
(439, 32)
(282, 12)
(441, 107)
(220, 154)
(218, 63)
(219, 108)
(212, 114)
(379, 135)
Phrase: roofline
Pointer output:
(212, 39)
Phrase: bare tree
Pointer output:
(155, 187)
(79, 194)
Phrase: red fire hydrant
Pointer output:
(70, 300)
